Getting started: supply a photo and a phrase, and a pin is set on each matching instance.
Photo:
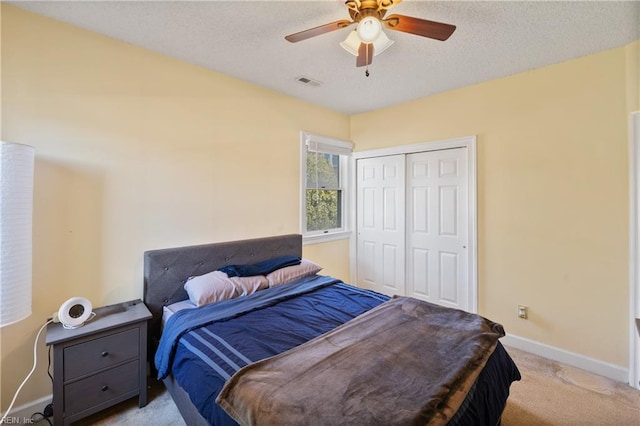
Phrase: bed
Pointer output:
(225, 363)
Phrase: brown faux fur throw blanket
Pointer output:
(405, 362)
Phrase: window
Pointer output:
(324, 177)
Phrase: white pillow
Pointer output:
(290, 273)
(249, 285)
(208, 288)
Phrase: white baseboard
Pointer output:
(592, 365)
(21, 414)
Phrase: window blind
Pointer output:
(318, 144)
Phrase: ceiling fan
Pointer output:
(368, 39)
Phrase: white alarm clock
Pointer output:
(75, 312)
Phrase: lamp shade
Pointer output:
(352, 43)
(16, 211)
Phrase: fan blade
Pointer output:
(312, 32)
(365, 55)
(421, 27)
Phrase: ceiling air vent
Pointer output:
(307, 81)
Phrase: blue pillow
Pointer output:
(261, 268)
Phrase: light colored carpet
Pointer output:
(549, 393)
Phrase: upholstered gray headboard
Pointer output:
(166, 270)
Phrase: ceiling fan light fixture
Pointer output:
(352, 43)
(369, 29)
(369, 39)
(381, 44)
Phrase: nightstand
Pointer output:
(101, 363)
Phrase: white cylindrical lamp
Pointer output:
(16, 213)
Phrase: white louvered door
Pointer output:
(380, 224)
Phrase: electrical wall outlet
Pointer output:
(523, 311)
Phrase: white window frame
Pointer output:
(330, 146)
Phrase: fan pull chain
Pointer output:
(366, 55)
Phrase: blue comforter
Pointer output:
(202, 348)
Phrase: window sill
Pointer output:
(324, 238)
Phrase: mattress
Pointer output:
(169, 310)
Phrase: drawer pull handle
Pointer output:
(104, 354)
(105, 388)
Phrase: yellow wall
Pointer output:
(552, 195)
(137, 151)
(333, 256)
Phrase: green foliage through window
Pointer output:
(323, 208)
(323, 194)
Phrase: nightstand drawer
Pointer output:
(101, 388)
(103, 352)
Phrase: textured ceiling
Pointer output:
(245, 39)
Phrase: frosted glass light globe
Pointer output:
(369, 29)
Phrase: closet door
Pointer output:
(437, 231)
(381, 224)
